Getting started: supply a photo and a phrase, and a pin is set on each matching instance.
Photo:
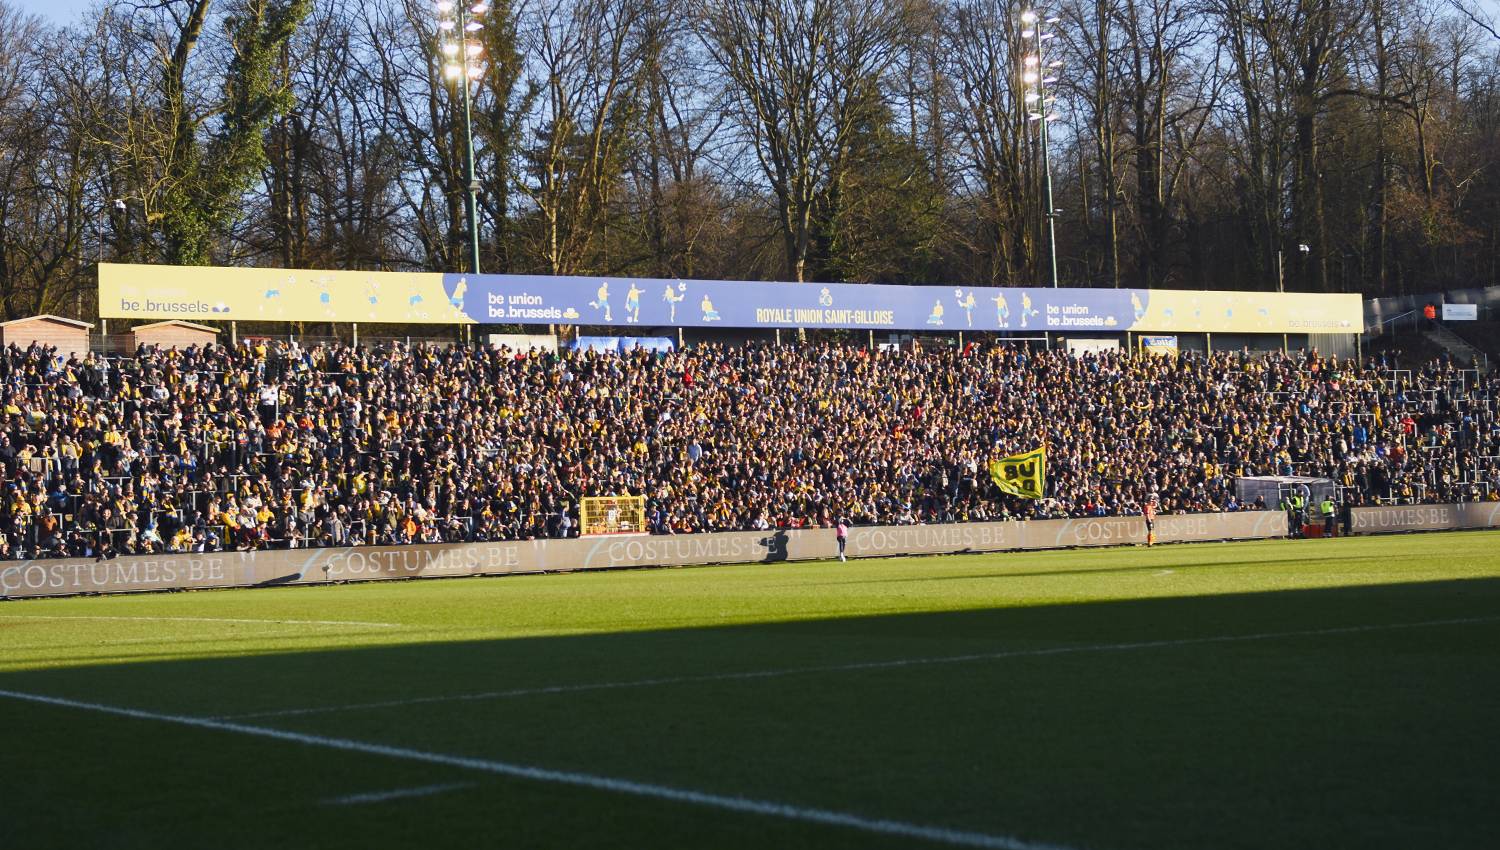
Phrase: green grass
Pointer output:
(1338, 723)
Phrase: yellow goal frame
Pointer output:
(612, 515)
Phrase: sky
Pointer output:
(57, 11)
(67, 11)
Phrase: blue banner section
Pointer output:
(623, 344)
(528, 299)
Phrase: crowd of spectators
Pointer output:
(270, 444)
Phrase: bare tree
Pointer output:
(989, 120)
(673, 207)
(1095, 46)
(588, 66)
(48, 208)
(1477, 16)
(771, 54)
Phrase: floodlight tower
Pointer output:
(458, 23)
(1037, 73)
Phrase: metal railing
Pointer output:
(1380, 327)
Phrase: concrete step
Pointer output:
(1459, 348)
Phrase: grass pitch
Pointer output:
(1340, 693)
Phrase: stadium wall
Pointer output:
(271, 568)
(1399, 518)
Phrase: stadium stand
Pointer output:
(269, 444)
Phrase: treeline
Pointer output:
(1338, 145)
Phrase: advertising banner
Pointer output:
(62, 577)
(199, 293)
(525, 342)
(1081, 346)
(1160, 345)
(1060, 533)
(278, 567)
(623, 344)
(1396, 518)
(272, 568)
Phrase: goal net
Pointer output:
(613, 515)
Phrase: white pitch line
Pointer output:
(842, 668)
(397, 794)
(743, 805)
(203, 620)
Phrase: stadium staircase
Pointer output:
(1461, 349)
(1483, 334)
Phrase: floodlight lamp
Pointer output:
(475, 72)
(1032, 61)
(1049, 80)
(450, 49)
(1046, 35)
(444, 6)
(473, 48)
(446, 26)
(1032, 97)
(452, 71)
(473, 26)
(1027, 33)
(1056, 63)
(1028, 16)
(1053, 20)
(1052, 116)
(479, 8)
(1029, 76)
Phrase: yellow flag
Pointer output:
(1023, 475)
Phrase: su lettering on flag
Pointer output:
(1023, 475)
